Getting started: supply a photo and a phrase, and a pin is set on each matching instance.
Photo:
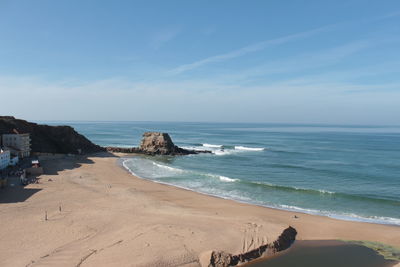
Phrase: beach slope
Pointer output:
(98, 214)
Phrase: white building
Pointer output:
(18, 144)
(4, 159)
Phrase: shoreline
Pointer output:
(124, 157)
(356, 218)
(101, 215)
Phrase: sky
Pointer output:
(333, 62)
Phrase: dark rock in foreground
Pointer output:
(224, 259)
(49, 139)
(155, 143)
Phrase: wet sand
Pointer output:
(101, 215)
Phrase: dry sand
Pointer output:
(110, 218)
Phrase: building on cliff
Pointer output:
(49, 139)
(18, 144)
(4, 159)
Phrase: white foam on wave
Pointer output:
(227, 179)
(174, 171)
(168, 168)
(322, 191)
(212, 146)
(224, 152)
(222, 178)
(219, 150)
(342, 216)
(325, 191)
(249, 148)
(147, 168)
(124, 164)
(195, 148)
(232, 195)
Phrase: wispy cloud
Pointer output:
(161, 37)
(267, 43)
(249, 49)
(302, 62)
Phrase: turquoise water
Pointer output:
(346, 172)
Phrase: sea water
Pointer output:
(345, 172)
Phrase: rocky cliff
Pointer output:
(65, 140)
(49, 139)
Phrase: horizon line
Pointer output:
(227, 122)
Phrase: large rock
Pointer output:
(49, 139)
(221, 259)
(224, 259)
(155, 143)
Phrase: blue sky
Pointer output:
(232, 61)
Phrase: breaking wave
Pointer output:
(249, 148)
(169, 168)
(212, 146)
(222, 178)
(342, 216)
(223, 150)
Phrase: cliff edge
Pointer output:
(49, 139)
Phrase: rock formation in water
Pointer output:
(49, 139)
(224, 259)
(155, 143)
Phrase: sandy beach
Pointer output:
(98, 214)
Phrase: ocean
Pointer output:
(344, 172)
